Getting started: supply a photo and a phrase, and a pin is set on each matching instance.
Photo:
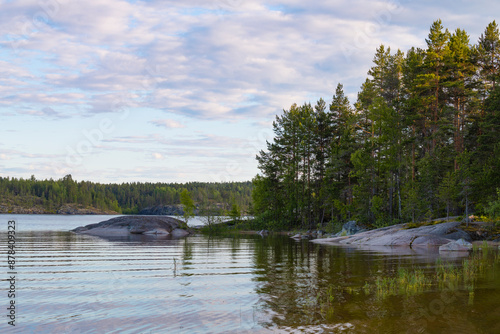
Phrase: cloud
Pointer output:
(224, 61)
(167, 123)
(47, 112)
(194, 141)
(131, 139)
(178, 58)
(158, 156)
(16, 154)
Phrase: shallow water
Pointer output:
(71, 283)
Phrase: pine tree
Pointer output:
(489, 57)
(434, 78)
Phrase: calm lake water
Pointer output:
(69, 283)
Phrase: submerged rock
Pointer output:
(126, 225)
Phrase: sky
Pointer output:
(116, 91)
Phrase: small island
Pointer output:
(127, 225)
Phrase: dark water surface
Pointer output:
(71, 283)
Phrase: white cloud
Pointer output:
(167, 123)
(157, 156)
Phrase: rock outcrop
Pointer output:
(127, 225)
(399, 235)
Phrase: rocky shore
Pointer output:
(133, 225)
(432, 235)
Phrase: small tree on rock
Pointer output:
(188, 205)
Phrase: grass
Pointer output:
(407, 282)
(326, 303)
(445, 276)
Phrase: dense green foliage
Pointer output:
(124, 198)
(421, 141)
(188, 205)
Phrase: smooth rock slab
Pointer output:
(127, 225)
(398, 235)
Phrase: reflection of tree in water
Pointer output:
(187, 253)
(302, 284)
(294, 274)
(235, 247)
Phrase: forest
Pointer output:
(421, 141)
(127, 198)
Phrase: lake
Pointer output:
(68, 283)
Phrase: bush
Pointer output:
(493, 208)
(333, 227)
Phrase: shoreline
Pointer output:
(426, 237)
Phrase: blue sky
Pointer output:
(170, 91)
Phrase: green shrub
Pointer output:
(493, 208)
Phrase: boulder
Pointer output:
(456, 246)
(350, 228)
(464, 243)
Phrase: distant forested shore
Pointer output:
(422, 141)
(67, 196)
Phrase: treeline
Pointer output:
(421, 141)
(122, 198)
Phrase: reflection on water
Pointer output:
(334, 289)
(247, 284)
